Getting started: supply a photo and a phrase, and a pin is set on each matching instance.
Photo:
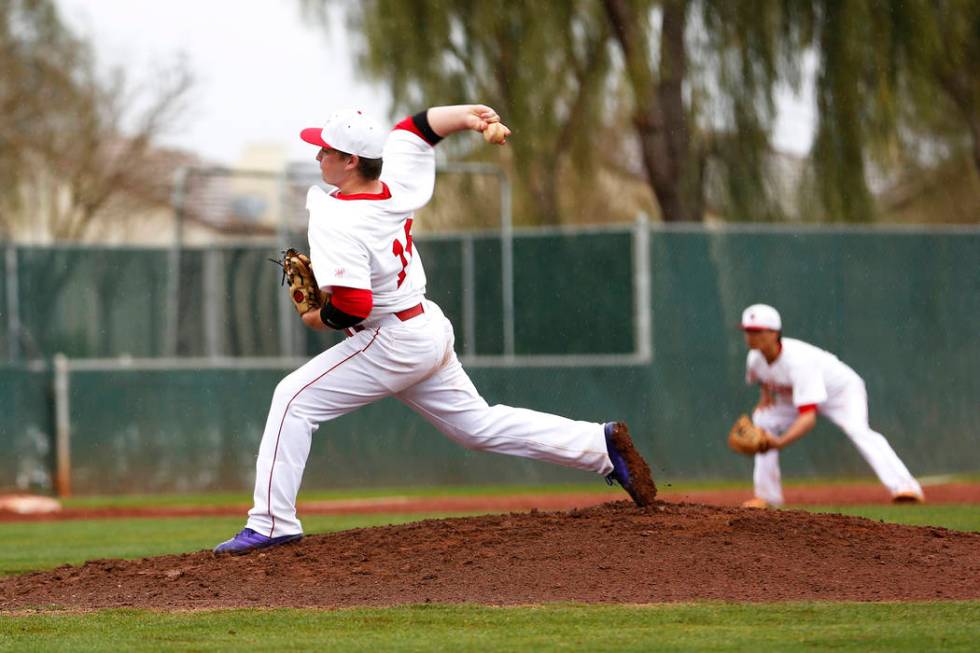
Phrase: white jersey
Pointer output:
(365, 241)
(802, 375)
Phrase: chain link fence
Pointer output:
(172, 352)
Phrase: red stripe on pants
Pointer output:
(275, 451)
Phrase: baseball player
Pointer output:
(798, 381)
(398, 343)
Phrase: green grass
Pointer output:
(958, 517)
(947, 626)
(244, 498)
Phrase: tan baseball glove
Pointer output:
(304, 291)
(745, 437)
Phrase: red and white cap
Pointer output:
(761, 317)
(349, 131)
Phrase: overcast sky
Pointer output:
(261, 73)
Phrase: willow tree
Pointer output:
(543, 65)
(893, 78)
(938, 93)
(660, 116)
(696, 80)
(703, 76)
(954, 63)
(564, 72)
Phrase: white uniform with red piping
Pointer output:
(404, 348)
(802, 377)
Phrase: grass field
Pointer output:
(244, 498)
(700, 627)
(947, 626)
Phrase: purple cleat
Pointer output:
(629, 468)
(249, 540)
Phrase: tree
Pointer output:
(542, 64)
(36, 55)
(895, 79)
(66, 160)
(660, 117)
(954, 62)
(697, 79)
(939, 90)
(550, 68)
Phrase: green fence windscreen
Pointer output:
(26, 429)
(900, 307)
(88, 302)
(5, 308)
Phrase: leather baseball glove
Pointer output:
(745, 437)
(304, 291)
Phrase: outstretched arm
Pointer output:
(461, 117)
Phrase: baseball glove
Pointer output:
(745, 437)
(304, 291)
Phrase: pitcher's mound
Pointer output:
(612, 553)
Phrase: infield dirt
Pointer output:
(610, 553)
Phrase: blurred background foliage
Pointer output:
(678, 97)
(619, 107)
(77, 143)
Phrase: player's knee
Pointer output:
(476, 435)
(472, 444)
(472, 427)
(280, 393)
(285, 391)
(859, 434)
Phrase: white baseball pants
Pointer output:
(413, 360)
(849, 411)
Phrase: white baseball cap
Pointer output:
(758, 317)
(350, 131)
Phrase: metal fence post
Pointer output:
(507, 262)
(181, 177)
(62, 425)
(506, 241)
(214, 287)
(289, 335)
(469, 296)
(13, 303)
(642, 317)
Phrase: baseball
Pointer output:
(496, 132)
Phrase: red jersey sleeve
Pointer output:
(353, 301)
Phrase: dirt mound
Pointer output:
(612, 553)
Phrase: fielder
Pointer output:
(796, 382)
(370, 284)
